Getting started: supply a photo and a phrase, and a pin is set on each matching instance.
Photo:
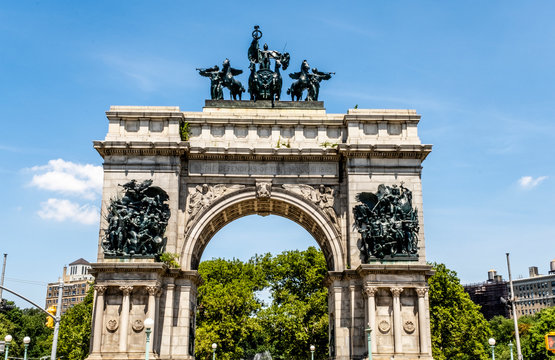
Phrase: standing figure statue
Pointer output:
(307, 81)
(265, 84)
(216, 81)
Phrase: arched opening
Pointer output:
(262, 293)
(245, 202)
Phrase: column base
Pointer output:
(122, 356)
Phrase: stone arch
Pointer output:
(245, 202)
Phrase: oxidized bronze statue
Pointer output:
(137, 221)
(216, 81)
(307, 81)
(265, 84)
(387, 223)
(224, 78)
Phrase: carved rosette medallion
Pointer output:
(421, 292)
(370, 291)
(409, 327)
(263, 190)
(138, 325)
(126, 290)
(396, 291)
(384, 327)
(112, 324)
(100, 289)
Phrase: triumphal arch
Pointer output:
(173, 178)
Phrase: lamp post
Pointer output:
(368, 335)
(511, 347)
(26, 341)
(148, 326)
(491, 342)
(312, 348)
(214, 346)
(8, 340)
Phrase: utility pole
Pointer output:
(515, 317)
(3, 272)
(57, 323)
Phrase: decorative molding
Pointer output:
(264, 190)
(384, 327)
(138, 325)
(396, 291)
(126, 289)
(204, 195)
(421, 291)
(112, 324)
(153, 289)
(323, 197)
(409, 327)
(370, 291)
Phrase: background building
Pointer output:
(77, 281)
(535, 292)
(488, 295)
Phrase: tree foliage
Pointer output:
(533, 340)
(75, 330)
(227, 307)
(459, 330)
(26, 322)
(231, 315)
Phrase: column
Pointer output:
(98, 317)
(124, 318)
(422, 331)
(352, 289)
(397, 319)
(370, 292)
(151, 313)
(167, 328)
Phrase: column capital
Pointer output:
(396, 291)
(370, 291)
(126, 289)
(421, 292)
(100, 289)
(153, 290)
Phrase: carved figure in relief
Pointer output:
(205, 194)
(387, 222)
(323, 197)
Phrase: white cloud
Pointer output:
(62, 210)
(528, 182)
(69, 178)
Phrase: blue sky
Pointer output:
(481, 74)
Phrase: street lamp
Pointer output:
(8, 340)
(312, 348)
(491, 342)
(148, 326)
(368, 335)
(214, 346)
(511, 347)
(26, 341)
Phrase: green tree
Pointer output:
(26, 322)
(459, 330)
(533, 341)
(298, 315)
(75, 330)
(228, 307)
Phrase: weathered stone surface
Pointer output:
(293, 160)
